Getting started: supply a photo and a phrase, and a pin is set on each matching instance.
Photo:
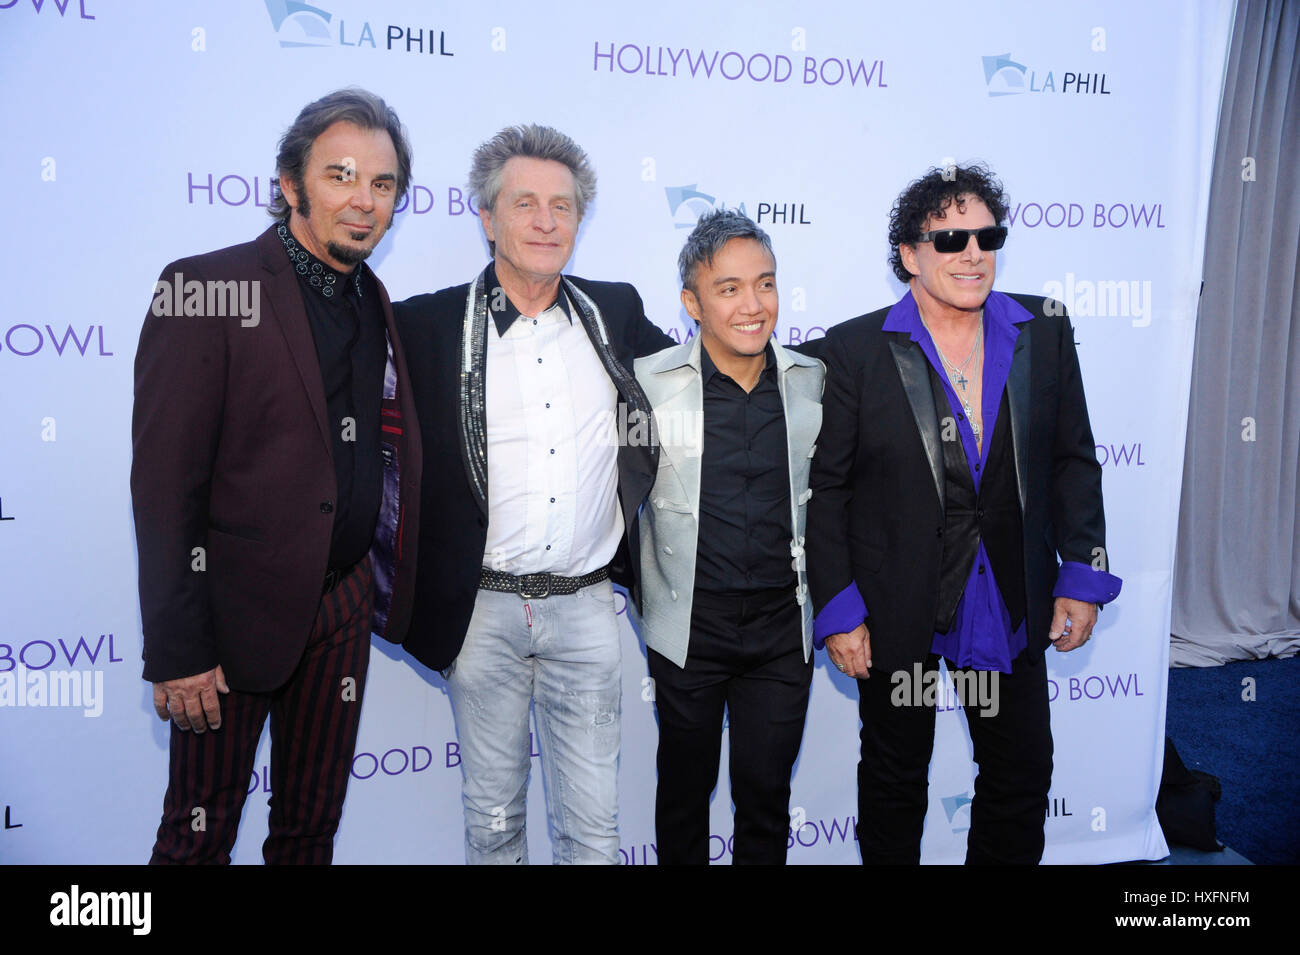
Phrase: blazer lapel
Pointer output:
(637, 462)
(803, 413)
(679, 422)
(472, 420)
(1018, 402)
(285, 298)
(673, 388)
(623, 379)
(914, 373)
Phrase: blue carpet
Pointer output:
(1250, 746)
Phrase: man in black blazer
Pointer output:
(954, 465)
(275, 464)
(523, 388)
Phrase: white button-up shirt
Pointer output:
(552, 453)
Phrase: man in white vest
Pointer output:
(725, 610)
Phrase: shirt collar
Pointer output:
(708, 368)
(1003, 313)
(504, 316)
(325, 280)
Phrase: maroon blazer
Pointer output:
(232, 454)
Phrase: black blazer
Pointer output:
(876, 516)
(233, 453)
(449, 401)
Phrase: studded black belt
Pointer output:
(538, 586)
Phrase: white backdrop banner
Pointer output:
(137, 132)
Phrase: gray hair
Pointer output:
(532, 142)
(356, 106)
(714, 230)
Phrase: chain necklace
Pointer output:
(956, 373)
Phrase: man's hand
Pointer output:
(851, 651)
(191, 701)
(1072, 623)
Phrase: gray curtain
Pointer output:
(1237, 571)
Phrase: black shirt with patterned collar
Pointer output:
(347, 326)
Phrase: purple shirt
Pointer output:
(981, 636)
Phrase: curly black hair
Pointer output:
(933, 193)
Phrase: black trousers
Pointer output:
(745, 654)
(1013, 750)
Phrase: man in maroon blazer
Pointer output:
(276, 467)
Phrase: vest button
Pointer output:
(938, 532)
(326, 507)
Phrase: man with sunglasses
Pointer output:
(955, 463)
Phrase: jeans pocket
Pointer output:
(602, 592)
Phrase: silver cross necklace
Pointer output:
(956, 373)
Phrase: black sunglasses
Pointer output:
(990, 238)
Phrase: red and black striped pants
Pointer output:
(314, 720)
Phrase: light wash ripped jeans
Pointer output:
(564, 654)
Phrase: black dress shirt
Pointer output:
(347, 325)
(744, 541)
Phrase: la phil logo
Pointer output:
(688, 203)
(1005, 77)
(303, 25)
(957, 808)
(59, 5)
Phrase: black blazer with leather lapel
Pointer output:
(233, 454)
(876, 514)
(454, 501)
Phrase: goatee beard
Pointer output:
(348, 255)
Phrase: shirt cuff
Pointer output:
(1080, 581)
(842, 614)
